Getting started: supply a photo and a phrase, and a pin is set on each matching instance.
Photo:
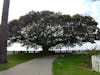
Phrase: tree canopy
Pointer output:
(49, 29)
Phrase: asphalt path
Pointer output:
(39, 66)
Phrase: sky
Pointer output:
(84, 7)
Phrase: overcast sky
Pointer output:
(21, 7)
(85, 7)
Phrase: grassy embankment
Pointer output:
(73, 65)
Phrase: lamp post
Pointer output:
(4, 32)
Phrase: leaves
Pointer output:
(49, 29)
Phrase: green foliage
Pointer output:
(71, 65)
(49, 29)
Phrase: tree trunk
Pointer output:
(45, 50)
(4, 33)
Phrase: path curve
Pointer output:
(39, 66)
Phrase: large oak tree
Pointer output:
(49, 29)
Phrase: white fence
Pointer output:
(96, 63)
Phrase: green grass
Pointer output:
(71, 65)
(19, 58)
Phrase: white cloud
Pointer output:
(1, 4)
(21, 7)
(92, 8)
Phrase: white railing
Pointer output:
(96, 63)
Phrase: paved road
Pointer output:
(39, 66)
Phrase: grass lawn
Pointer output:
(15, 59)
(71, 65)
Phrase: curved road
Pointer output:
(39, 66)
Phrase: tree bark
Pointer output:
(45, 50)
(4, 32)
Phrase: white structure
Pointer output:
(96, 63)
